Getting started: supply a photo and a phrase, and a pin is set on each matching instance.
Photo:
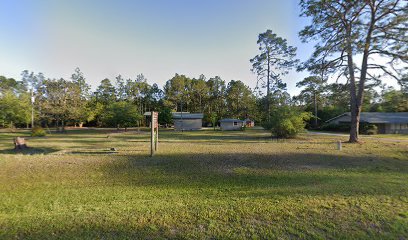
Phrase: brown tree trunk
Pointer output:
(357, 102)
(268, 90)
(355, 112)
(315, 108)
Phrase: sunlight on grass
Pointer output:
(204, 184)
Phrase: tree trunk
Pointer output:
(268, 90)
(62, 126)
(201, 106)
(315, 108)
(358, 98)
(355, 112)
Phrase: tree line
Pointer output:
(349, 36)
(122, 103)
(119, 102)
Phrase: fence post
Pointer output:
(339, 146)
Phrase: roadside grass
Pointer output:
(203, 184)
(393, 136)
(362, 136)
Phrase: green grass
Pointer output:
(392, 136)
(204, 184)
(362, 136)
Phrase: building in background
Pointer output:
(386, 122)
(227, 124)
(249, 123)
(187, 121)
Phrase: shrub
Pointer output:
(368, 129)
(342, 127)
(38, 132)
(365, 128)
(287, 122)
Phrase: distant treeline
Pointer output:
(122, 102)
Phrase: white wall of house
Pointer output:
(226, 126)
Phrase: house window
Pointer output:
(235, 123)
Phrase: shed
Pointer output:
(249, 123)
(187, 121)
(386, 122)
(227, 124)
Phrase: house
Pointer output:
(187, 121)
(231, 124)
(386, 122)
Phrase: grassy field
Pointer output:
(202, 185)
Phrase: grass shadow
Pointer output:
(30, 151)
(285, 174)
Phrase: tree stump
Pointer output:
(19, 143)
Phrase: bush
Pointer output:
(342, 127)
(365, 128)
(368, 129)
(38, 132)
(287, 122)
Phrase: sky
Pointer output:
(155, 37)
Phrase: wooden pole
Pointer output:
(152, 135)
(156, 144)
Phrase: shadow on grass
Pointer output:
(30, 151)
(99, 231)
(214, 179)
(100, 152)
(267, 175)
(212, 136)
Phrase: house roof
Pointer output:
(187, 115)
(230, 120)
(378, 117)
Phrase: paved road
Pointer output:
(369, 137)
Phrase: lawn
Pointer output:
(202, 185)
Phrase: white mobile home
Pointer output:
(231, 124)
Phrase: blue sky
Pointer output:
(155, 37)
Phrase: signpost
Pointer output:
(154, 136)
